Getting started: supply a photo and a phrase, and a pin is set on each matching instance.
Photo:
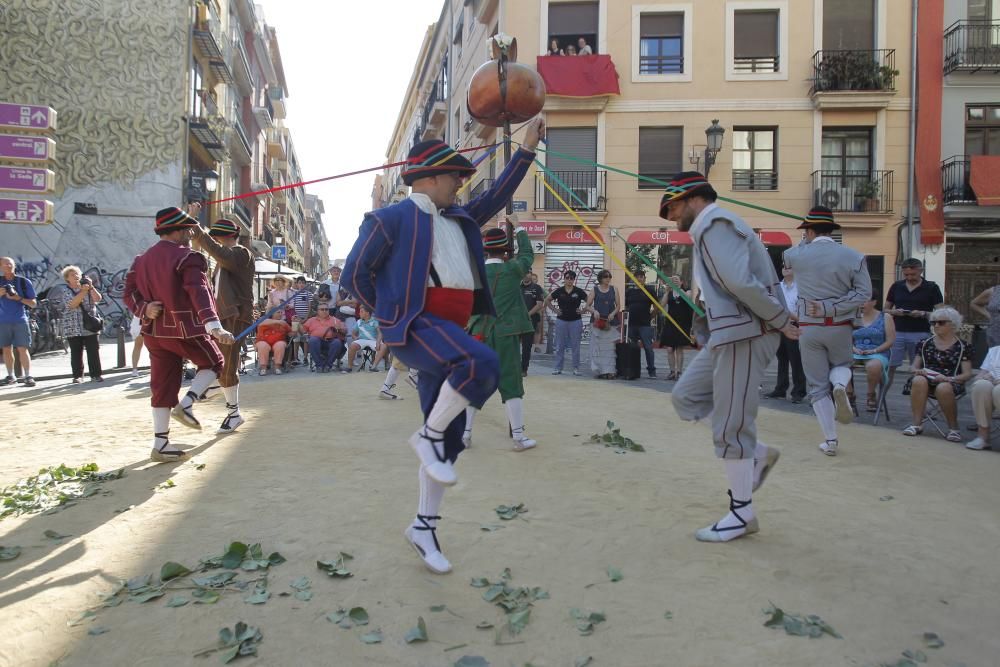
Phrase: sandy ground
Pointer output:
(322, 467)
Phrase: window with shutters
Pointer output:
(756, 40)
(661, 154)
(569, 22)
(662, 43)
(755, 160)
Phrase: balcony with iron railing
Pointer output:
(276, 97)
(244, 142)
(241, 65)
(955, 184)
(480, 187)
(853, 191)
(755, 179)
(853, 78)
(268, 179)
(972, 46)
(581, 190)
(242, 212)
(435, 110)
(755, 64)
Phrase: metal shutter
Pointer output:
(586, 260)
(578, 142)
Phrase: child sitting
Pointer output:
(366, 335)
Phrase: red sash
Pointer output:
(450, 304)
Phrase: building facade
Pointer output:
(813, 97)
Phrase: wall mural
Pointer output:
(114, 70)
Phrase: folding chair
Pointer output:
(367, 357)
(932, 411)
(881, 390)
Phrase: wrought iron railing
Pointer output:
(846, 70)
(955, 180)
(752, 64)
(853, 191)
(755, 179)
(971, 46)
(268, 178)
(437, 94)
(242, 133)
(661, 64)
(242, 211)
(582, 190)
(480, 187)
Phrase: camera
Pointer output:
(85, 281)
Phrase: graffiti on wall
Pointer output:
(586, 276)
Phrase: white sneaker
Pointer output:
(978, 444)
(135, 373)
(424, 543)
(523, 443)
(845, 415)
(829, 447)
(427, 449)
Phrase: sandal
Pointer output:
(872, 403)
(913, 430)
(953, 436)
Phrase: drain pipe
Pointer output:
(911, 175)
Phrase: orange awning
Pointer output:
(658, 237)
(775, 238)
(984, 178)
(574, 235)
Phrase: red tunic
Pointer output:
(174, 275)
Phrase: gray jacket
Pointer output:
(737, 278)
(833, 275)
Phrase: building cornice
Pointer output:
(640, 106)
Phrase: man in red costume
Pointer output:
(167, 287)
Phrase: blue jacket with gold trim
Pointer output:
(388, 267)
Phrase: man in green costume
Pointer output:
(503, 332)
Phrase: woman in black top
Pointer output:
(674, 339)
(571, 303)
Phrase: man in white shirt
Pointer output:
(788, 352)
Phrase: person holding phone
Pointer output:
(910, 302)
(17, 296)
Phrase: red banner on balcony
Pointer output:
(984, 178)
(579, 76)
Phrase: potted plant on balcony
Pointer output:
(866, 196)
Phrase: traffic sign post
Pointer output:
(26, 149)
(26, 117)
(30, 211)
(279, 253)
(538, 246)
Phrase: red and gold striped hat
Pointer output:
(171, 219)
(224, 227)
(434, 157)
(819, 218)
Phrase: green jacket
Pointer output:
(505, 285)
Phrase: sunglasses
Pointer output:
(940, 322)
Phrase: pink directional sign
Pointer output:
(26, 148)
(26, 211)
(24, 179)
(26, 117)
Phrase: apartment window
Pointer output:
(569, 21)
(197, 90)
(757, 40)
(661, 43)
(984, 10)
(847, 151)
(849, 25)
(661, 154)
(755, 163)
(982, 130)
(571, 160)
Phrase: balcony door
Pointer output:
(982, 129)
(846, 167)
(569, 21)
(579, 174)
(849, 25)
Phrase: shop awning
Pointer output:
(984, 178)
(775, 238)
(574, 235)
(674, 237)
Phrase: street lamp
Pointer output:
(713, 144)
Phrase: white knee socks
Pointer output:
(470, 417)
(161, 424)
(740, 475)
(515, 415)
(232, 398)
(431, 495)
(390, 378)
(825, 411)
(203, 379)
(449, 405)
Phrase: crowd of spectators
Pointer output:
(580, 48)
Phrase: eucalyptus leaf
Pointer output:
(358, 615)
(374, 637)
(489, 527)
(171, 570)
(214, 581)
(229, 654)
(479, 582)
(177, 601)
(669, 615)
(259, 596)
(146, 596)
(203, 596)
(276, 558)
(417, 634)
(493, 592)
(89, 614)
(304, 596)
(142, 581)
(234, 555)
(301, 584)
(517, 620)
(9, 553)
(614, 574)
(337, 616)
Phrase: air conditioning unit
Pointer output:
(586, 195)
(835, 199)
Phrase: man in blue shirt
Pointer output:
(17, 295)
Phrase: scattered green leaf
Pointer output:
(304, 596)
(471, 661)
(811, 626)
(99, 630)
(358, 615)
(276, 559)
(171, 570)
(612, 437)
(931, 640)
(484, 625)
(373, 637)
(438, 607)
(508, 512)
(234, 555)
(146, 596)
(479, 582)
(884, 498)
(583, 662)
(301, 584)
(417, 634)
(53, 488)
(53, 535)
(87, 615)
(587, 621)
(242, 640)
(259, 596)
(9, 553)
(169, 484)
(215, 580)
(199, 466)
(336, 567)
(517, 620)
(614, 574)
(489, 527)
(669, 615)
(337, 616)
(204, 596)
(177, 601)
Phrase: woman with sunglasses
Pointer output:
(942, 365)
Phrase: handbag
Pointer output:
(92, 323)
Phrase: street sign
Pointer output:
(26, 117)
(538, 246)
(520, 205)
(26, 148)
(532, 227)
(26, 211)
(279, 253)
(25, 179)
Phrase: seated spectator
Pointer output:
(326, 338)
(583, 49)
(986, 398)
(872, 343)
(942, 365)
(570, 50)
(554, 49)
(366, 335)
(271, 336)
(301, 304)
